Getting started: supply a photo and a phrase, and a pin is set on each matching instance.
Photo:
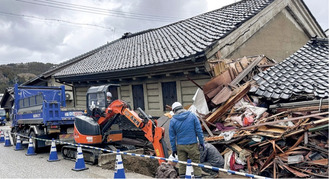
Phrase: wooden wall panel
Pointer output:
(81, 93)
(125, 93)
(188, 90)
(152, 95)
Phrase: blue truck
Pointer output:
(2, 117)
(41, 112)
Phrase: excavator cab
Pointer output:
(96, 98)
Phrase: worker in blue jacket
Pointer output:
(185, 130)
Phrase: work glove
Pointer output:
(174, 154)
(202, 146)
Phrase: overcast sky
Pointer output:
(57, 30)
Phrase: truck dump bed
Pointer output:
(41, 105)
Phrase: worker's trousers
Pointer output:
(190, 151)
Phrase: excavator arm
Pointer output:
(152, 132)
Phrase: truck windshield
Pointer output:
(2, 112)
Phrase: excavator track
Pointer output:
(89, 155)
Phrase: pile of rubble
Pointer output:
(259, 135)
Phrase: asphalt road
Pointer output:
(15, 164)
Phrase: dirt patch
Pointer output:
(144, 166)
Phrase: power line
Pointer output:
(106, 10)
(57, 20)
(99, 11)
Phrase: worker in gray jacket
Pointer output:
(211, 156)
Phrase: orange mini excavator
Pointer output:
(93, 129)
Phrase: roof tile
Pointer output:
(173, 42)
(305, 71)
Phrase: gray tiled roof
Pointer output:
(53, 70)
(174, 42)
(303, 73)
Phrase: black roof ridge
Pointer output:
(318, 39)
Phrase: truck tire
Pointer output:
(13, 136)
(35, 142)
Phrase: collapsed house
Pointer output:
(271, 119)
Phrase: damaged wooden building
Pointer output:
(152, 66)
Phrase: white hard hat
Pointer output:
(175, 105)
(109, 94)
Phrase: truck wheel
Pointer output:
(13, 136)
(35, 142)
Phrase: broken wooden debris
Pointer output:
(229, 103)
(287, 147)
(282, 140)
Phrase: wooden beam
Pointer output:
(295, 172)
(206, 127)
(316, 122)
(300, 139)
(267, 162)
(306, 171)
(229, 103)
(285, 120)
(248, 164)
(304, 109)
(246, 71)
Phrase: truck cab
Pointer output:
(2, 117)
